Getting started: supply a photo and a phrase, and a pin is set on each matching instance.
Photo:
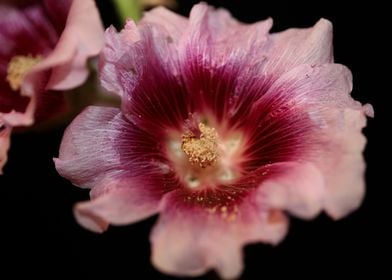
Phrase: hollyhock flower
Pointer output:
(45, 46)
(224, 128)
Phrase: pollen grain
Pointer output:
(202, 151)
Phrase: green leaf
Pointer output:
(128, 9)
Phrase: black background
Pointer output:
(40, 237)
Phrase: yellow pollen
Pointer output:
(18, 66)
(202, 151)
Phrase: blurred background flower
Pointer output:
(45, 48)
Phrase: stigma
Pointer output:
(17, 68)
(202, 150)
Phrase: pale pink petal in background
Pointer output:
(4, 145)
(64, 34)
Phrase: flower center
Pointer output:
(203, 150)
(205, 157)
(18, 66)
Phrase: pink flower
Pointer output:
(44, 47)
(224, 128)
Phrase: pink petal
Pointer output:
(122, 202)
(293, 47)
(5, 133)
(173, 23)
(342, 163)
(183, 250)
(115, 49)
(210, 35)
(128, 68)
(101, 144)
(103, 151)
(82, 38)
(189, 242)
(88, 142)
(151, 92)
(292, 109)
(209, 53)
(298, 188)
(324, 93)
(368, 110)
(312, 88)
